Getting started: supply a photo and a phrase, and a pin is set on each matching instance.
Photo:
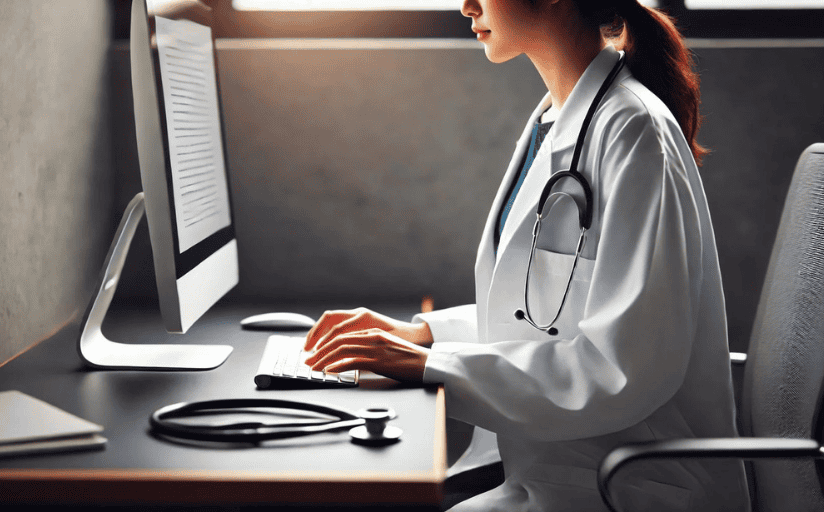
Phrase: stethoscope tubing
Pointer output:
(248, 432)
(527, 315)
(579, 144)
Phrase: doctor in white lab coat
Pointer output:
(641, 346)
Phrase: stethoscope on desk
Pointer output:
(366, 426)
(584, 215)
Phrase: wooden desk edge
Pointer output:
(196, 486)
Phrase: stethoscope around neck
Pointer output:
(584, 214)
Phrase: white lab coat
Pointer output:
(642, 350)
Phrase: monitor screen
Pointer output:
(200, 194)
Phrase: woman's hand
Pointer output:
(373, 349)
(335, 323)
(365, 340)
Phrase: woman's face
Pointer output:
(503, 26)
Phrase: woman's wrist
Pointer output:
(423, 335)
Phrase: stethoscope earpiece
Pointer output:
(520, 315)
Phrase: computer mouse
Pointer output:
(278, 322)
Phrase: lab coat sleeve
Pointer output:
(635, 337)
(459, 323)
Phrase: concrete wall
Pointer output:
(55, 163)
(367, 174)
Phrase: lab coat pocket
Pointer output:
(548, 280)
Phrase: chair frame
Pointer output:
(705, 448)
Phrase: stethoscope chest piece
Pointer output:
(376, 431)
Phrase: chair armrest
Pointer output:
(723, 447)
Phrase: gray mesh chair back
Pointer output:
(785, 360)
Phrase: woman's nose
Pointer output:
(470, 8)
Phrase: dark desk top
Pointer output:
(137, 467)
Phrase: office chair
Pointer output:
(782, 388)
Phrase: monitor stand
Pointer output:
(99, 352)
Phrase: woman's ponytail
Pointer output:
(657, 57)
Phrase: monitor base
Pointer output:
(99, 352)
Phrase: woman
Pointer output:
(639, 351)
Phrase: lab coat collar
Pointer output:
(565, 131)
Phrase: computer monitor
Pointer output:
(182, 156)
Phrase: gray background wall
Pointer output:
(358, 175)
(763, 107)
(55, 163)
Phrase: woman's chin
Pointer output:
(498, 57)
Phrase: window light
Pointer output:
(347, 5)
(754, 4)
(358, 5)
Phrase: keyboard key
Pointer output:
(316, 375)
(290, 366)
(278, 369)
(347, 377)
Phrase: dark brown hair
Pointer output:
(656, 55)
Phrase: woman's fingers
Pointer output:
(337, 356)
(361, 321)
(319, 329)
(350, 341)
(339, 323)
(373, 350)
(333, 324)
(328, 321)
(351, 364)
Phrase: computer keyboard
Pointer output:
(283, 358)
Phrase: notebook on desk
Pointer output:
(29, 425)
